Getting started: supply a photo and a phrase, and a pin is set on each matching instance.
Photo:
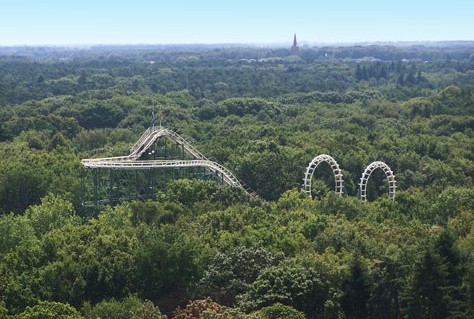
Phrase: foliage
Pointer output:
(148, 311)
(356, 294)
(130, 307)
(231, 274)
(304, 289)
(195, 309)
(279, 311)
(49, 309)
(53, 213)
(437, 290)
(264, 115)
(3, 311)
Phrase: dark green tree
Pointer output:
(387, 284)
(357, 292)
(437, 288)
(426, 299)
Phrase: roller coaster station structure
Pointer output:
(161, 154)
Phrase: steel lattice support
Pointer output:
(110, 186)
(149, 164)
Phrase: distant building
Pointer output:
(295, 49)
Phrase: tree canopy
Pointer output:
(196, 248)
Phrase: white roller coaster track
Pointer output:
(338, 176)
(152, 134)
(147, 139)
(335, 169)
(227, 176)
(368, 171)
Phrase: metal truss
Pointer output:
(312, 166)
(227, 176)
(114, 180)
(338, 176)
(368, 171)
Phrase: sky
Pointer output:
(85, 22)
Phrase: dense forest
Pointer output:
(201, 249)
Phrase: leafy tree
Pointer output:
(451, 202)
(165, 263)
(189, 192)
(49, 309)
(130, 307)
(148, 311)
(15, 232)
(266, 167)
(21, 186)
(54, 212)
(196, 308)
(232, 274)
(101, 115)
(90, 262)
(3, 311)
(20, 256)
(36, 143)
(58, 140)
(304, 289)
(279, 311)
(155, 213)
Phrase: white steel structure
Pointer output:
(133, 161)
(339, 187)
(368, 171)
(312, 166)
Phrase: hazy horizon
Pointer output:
(146, 22)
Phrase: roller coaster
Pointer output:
(338, 176)
(136, 161)
(133, 161)
(109, 173)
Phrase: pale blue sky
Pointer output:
(58, 22)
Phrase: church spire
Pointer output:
(295, 50)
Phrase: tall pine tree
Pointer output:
(436, 290)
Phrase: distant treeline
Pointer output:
(217, 73)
